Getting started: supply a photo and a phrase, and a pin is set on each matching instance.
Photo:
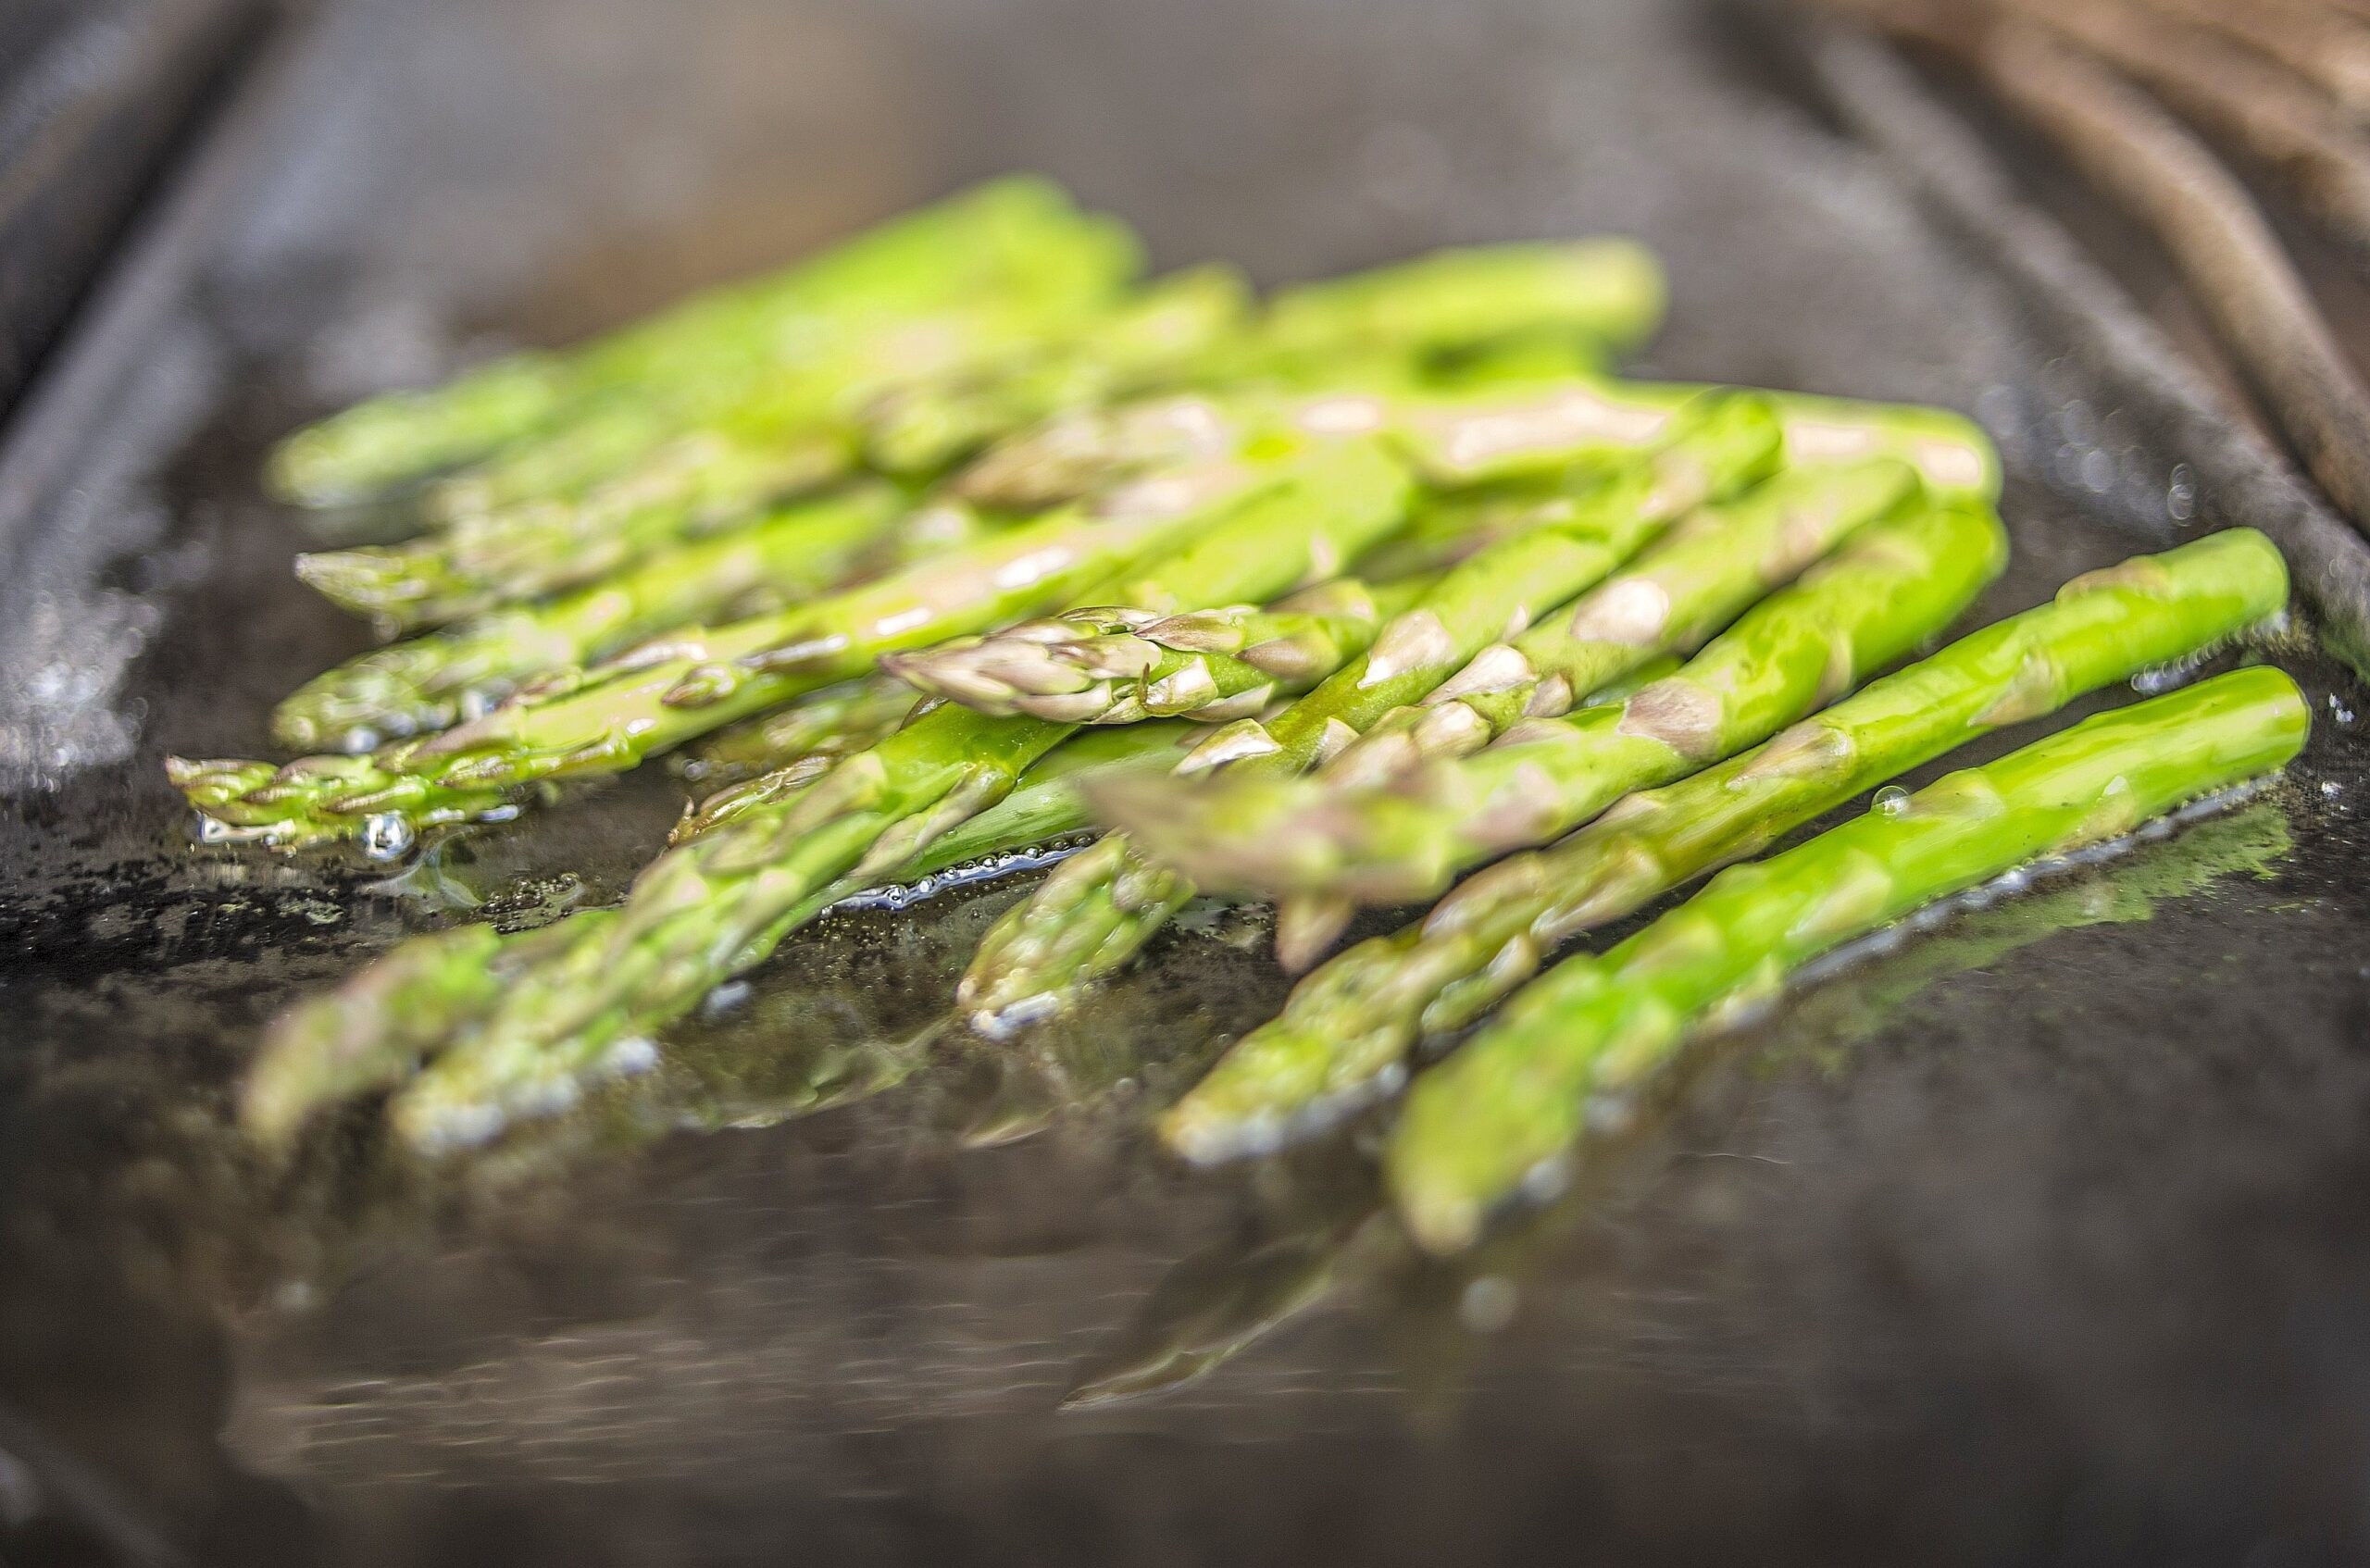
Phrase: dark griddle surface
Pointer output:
(93, 95)
(2036, 1240)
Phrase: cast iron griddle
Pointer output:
(2034, 1241)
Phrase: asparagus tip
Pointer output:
(361, 580)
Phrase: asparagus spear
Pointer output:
(1170, 332)
(1087, 448)
(1347, 1029)
(1084, 450)
(848, 717)
(869, 712)
(1006, 232)
(435, 682)
(428, 682)
(1047, 807)
(642, 449)
(633, 472)
(1119, 665)
(1097, 911)
(1026, 829)
(1448, 527)
(1607, 292)
(658, 697)
(550, 546)
(1546, 776)
(1470, 441)
(1595, 1029)
(780, 754)
(833, 721)
(1686, 587)
(721, 903)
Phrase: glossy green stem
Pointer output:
(430, 682)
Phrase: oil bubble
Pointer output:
(388, 835)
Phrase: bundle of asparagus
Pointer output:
(1347, 1030)
(1334, 596)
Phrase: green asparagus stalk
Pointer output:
(1088, 448)
(1607, 292)
(435, 681)
(1118, 666)
(577, 477)
(1017, 233)
(658, 697)
(1047, 807)
(551, 546)
(1468, 441)
(866, 714)
(721, 903)
(1348, 1029)
(766, 441)
(1595, 1030)
(1689, 584)
(836, 720)
(429, 683)
(833, 721)
(1545, 775)
(396, 437)
(1448, 527)
(1096, 911)
(1028, 826)
(1085, 450)
(1170, 332)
